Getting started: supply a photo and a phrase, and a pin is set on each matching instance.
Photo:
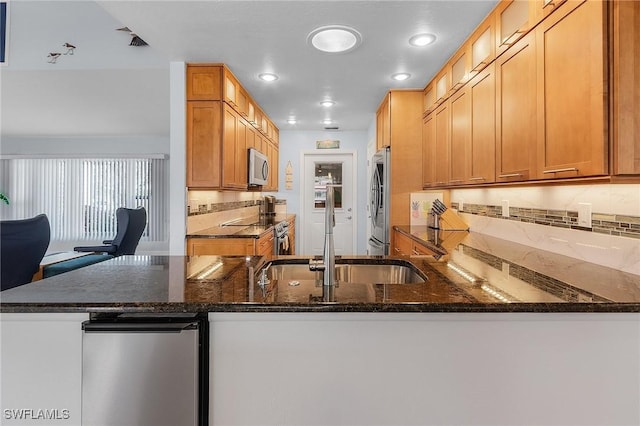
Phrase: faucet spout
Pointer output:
(328, 263)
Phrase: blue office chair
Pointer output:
(131, 224)
(23, 244)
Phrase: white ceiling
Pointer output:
(108, 87)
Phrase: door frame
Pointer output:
(354, 190)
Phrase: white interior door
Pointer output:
(320, 170)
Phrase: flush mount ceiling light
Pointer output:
(423, 39)
(327, 103)
(267, 76)
(401, 76)
(327, 121)
(334, 38)
(292, 120)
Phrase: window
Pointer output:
(327, 174)
(80, 195)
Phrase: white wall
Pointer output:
(424, 369)
(293, 142)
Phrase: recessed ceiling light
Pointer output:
(267, 76)
(327, 103)
(400, 76)
(327, 121)
(420, 40)
(334, 38)
(292, 121)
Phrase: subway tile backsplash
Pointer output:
(602, 223)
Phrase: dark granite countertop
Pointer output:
(471, 277)
(247, 228)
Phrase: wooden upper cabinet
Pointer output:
(428, 98)
(204, 136)
(460, 137)
(513, 19)
(625, 78)
(571, 71)
(442, 119)
(203, 83)
(442, 85)
(459, 68)
(428, 151)
(482, 149)
(242, 99)
(231, 89)
(516, 111)
(482, 45)
(383, 123)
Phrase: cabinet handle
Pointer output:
(456, 181)
(477, 178)
(568, 169)
(416, 252)
(478, 67)
(510, 175)
(548, 3)
(513, 36)
(397, 249)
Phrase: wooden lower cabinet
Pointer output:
(407, 246)
(262, 246)
(292, 235)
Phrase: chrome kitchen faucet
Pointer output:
(328, 262)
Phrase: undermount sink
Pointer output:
(363, 273)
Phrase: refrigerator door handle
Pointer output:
(375, 243)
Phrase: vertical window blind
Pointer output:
(80, 195)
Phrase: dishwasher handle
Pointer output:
(138, 327)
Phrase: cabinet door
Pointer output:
(229, 155)
(514, 18)
(242, 140)
(482, 45)
(625, 78)
(429, 98)
(482, 153)
(204, 83)
(383, 123)
(402, 245)
(231, 89)
(516, 111)
(571, 57)
(460, 138)
(442, 123)
(204, 135)
(219, 246)
(428, 151)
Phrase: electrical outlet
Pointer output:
(584, 215)
(505, 208)
(461, 205)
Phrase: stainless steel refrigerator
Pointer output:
(379, 203)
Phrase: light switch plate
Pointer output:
(505, 208)
(461, 205)
(584, 215)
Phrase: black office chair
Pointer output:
(23, 244)
(131, 224)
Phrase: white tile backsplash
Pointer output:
(620, 253)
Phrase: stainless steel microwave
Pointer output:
(258, 168)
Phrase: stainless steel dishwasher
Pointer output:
(140, 369)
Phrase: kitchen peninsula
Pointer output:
(531, 347)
